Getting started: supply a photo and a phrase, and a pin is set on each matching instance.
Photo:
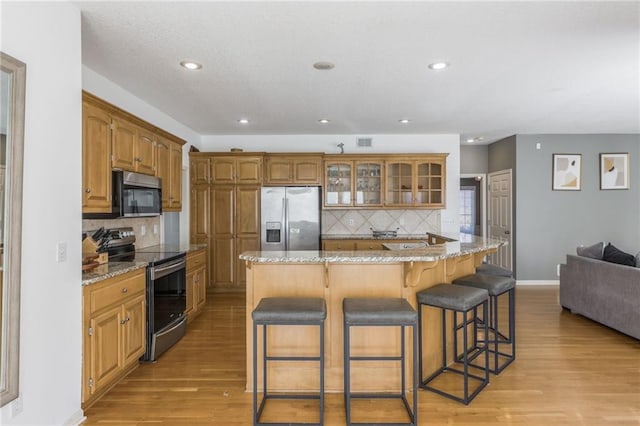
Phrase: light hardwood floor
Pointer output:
(569, 371)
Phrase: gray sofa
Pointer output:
(602, 291)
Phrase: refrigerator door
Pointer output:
(272, 218)
(303, 212)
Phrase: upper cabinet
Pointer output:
(115, 139)
(236, 169)
(293, 169)
(390, 181)
(417, 182)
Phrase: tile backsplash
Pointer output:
(146, 240)
(358, 222)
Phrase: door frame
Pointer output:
(483, 198)
(511, 235)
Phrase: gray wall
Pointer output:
(474, 159)
(502, 156)
(552, 223)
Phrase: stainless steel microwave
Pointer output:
(134, 195)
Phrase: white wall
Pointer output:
(46, 36)
(105, 89)
(381, 144)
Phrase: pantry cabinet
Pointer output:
(293, 169)
(114, 331)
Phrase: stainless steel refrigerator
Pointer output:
(290, 218)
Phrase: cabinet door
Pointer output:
(368, 245)
(96, 160)
(338, 184)
(105, 348)
(368, 183)
(175, 182)
(430, 184)
(399, 183)
(199, 170)
(199, 210)
(222, 220)
(145, 152)
(307, 171)
(163, 169)
(331, 245)
(249, 170)
(247, 211)
(190, 294)
(279, 171)
(200, 294)
(123, 145)
(134, 322)
(244, 244)
(223, 170)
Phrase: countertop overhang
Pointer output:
(468, 244)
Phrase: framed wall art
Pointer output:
(614, 171)
(567, 172)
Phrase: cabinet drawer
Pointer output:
(116, 289)
(196, 259)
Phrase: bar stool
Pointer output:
(496, 285)
(487, 268)
(381, 312)
(286, 311)
(459, 299)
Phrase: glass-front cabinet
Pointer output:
(338, 184)
(418, 183)
(368, 183)
(353, 183)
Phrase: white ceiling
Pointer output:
(516, 67)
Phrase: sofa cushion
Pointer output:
(594, 252)
(615, 255)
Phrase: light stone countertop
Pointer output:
(469, 244)
(109, 270)
(452, 237)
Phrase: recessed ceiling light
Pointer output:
(404, 121)
(324, 121)
(190, 65)
(323, 66)
(438, 65)
(477, 139)
(243, 121)
(471, 140)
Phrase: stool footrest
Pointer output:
(292, 358)
(376, 358)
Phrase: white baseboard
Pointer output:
(537, 282)
(77, 419)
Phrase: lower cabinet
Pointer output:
(196, 283)
(114, 334)
(357, 244)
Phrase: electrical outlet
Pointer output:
(351, 222)
(143, 230)
(538, 146)
(558, 269)
(61, 252)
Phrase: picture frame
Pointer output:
(614, 170)
(567, 172)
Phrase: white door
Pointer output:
(499, 217)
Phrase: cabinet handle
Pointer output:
(124, 321)
(88, 190)
(124, 290)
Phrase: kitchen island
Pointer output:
(334, 275)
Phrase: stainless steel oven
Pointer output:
(166, 301)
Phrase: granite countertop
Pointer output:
(173, 247)
(470, 244)
(452, 237)
(109, 270)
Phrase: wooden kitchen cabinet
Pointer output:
(236, 169)
(353, 181)
(114, 331)
(169, 169)
(96, 160)
(196, 283)
(133, 147)
(115, 139)
(293, 169)
(416, 182)
(235, 227)
(336, 245)
(199, 170)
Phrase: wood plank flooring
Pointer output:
(569, 371)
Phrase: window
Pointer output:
(467, 209)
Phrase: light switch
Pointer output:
(61, 252)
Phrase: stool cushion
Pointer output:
(378, 311)
(489, 269)
(451, 296)
(494, 284)
(294, 310)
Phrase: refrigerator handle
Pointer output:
(286, 223)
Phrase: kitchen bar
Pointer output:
(334, 275)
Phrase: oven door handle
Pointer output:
(158, 272)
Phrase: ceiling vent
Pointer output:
(364, 142)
